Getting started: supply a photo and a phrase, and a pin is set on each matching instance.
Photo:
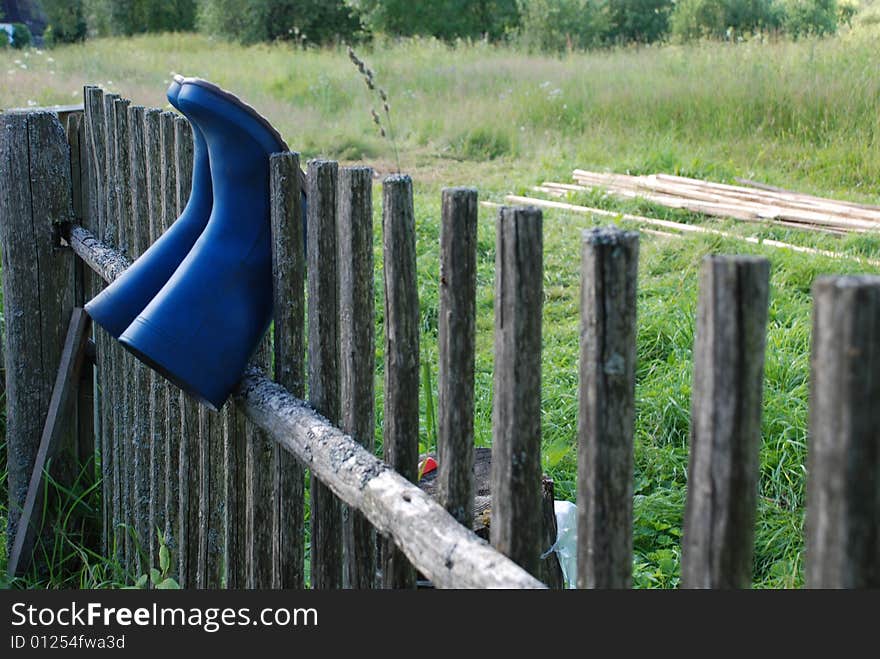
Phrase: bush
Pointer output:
(21, 35)
(444, 19)
(303, 21)
(639, 21)
(805, 17)
(129, 17)
(561, 25)
(67, 21)
(694, 19)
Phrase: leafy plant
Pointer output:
(159, 578)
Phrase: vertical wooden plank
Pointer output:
(843, 486)
(323, 310)
(456, 337)
(213, 497)
(95, 135)
(260, 503)
(93, 110)
(169, 463)
(188, 474)
(151, 460)
(236, 539)
(108, 234)
(516, 412)
(609, 276)
(125, 370)
(401, 409)
(357, 353)
(37, 295)
(722, 492)
(123, 465)
(288, 274)
(82, 283)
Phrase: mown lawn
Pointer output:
(801, 115)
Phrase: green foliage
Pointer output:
(563, 25)
(444, 19)
(129, 17)
(21, 36)
(693, 19)
(806, 17)
(67, 21)
(302, 21)
(639, 21)
(159, 577)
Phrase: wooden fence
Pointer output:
(82, 193)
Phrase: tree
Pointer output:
(67, 21)
(640, 21)
(305, 21)
(444, 19)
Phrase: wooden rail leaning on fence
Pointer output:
(225, 490)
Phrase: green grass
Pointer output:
(802, 115)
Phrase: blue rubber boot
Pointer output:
(119, 304)
(201, 329)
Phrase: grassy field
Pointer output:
(801, 115)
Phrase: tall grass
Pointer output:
(802, 115)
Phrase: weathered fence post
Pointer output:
(357, 353)
(323, 311)
(288, 274)
(82, 283)
(123, 450)
(401, 410)
(95, 141)
(142, 182)
(188, 475)
(516, 411)
(260, 504)
(722, 488)
(37, 292)
(609, 273)
(169, 463)
(843, 487)
(456, 338)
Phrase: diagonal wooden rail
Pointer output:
(449, 554)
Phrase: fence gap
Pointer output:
(323, 361)
(516, 413)
(722, 491)
(288, 274)
(609, 274)
(843, 486)
(401, 408)
(357, 353)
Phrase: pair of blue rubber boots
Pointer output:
(195, 305)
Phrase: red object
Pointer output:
(427, 466)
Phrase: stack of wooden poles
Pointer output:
(755, 204)
(751, 202)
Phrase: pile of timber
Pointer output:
(674, 226)
(755, 203)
